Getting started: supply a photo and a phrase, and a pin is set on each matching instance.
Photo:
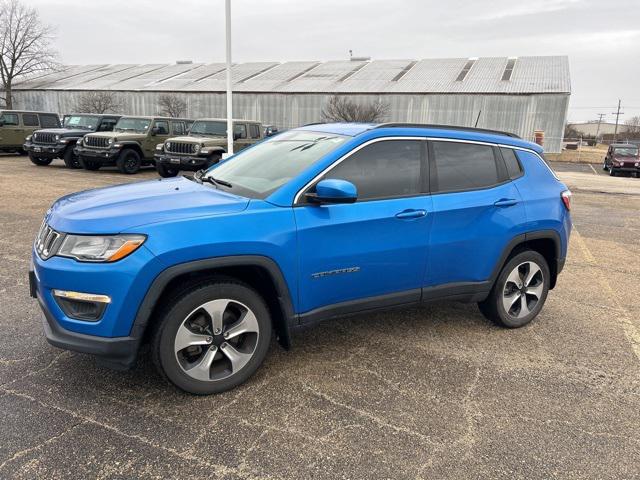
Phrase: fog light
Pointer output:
(81, 306)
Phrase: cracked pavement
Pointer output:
(420, 393)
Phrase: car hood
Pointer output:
(120, 136)
(65, 132)
(199, 139)
(125, 207)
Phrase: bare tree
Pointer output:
(98, 102)
(25, 45)
(343, 109)
(633, 124)
(171, 105)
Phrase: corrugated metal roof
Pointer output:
(546, 74)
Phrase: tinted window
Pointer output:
(383, 169)
(10, 118)
(107, 124)
(178, 128)
(463, 166)
(240, 128)
(49, 121)
(254, 131)
(514, 170)
(162, 126)
(30, 120)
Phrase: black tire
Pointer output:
(187, 305)
(128, 161)
(166, 171)
(604, 166)
(612, 171)
(213, 159)
(493, 307)
(70, 159)
(41, 162)
(91, 165)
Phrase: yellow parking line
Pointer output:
(630, 330)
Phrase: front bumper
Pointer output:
(45, 150)
(99, 155)
(184, 162)
(111, 337)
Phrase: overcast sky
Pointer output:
(601, 38)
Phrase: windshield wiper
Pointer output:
(199, 177)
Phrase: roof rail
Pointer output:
(446, 127)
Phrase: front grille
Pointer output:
(96, 142)
(44, 137)
(181, 148)
(47, 241)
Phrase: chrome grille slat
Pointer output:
(46, 241)
(43, 137)
(96, 142)
(180, 148)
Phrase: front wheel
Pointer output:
(41, 162)
(70, 159)
(612, 172)
(520, 291)
(213, 337)
(128, 161)
(166, 171)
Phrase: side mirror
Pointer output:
(333, 191)
(155, 131)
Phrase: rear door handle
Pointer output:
(411, 214)
(506, 202)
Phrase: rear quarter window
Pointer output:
(514, 168)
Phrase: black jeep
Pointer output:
(45, 145)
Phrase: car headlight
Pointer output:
(99, 248)
(57, 137)
(159, 147)
(196, 148)
(109, 141)
(28, 138)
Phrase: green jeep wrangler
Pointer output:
(130, 145)
(204, 146)
(17, 125)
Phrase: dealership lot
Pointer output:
(426, 392)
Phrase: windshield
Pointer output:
(260, 170)
(81, 121)
(208, 128)
(626, 151)
(138, 125)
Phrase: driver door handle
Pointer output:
(506, 202)
(411, 213)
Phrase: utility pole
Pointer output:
(227, 11)
(617, 114)
(600, 117)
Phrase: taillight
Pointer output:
(566, 199)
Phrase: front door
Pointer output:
(374, 249)
(151, 140)
(11, 131)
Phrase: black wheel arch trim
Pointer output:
(143, 316)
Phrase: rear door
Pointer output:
(375, 248)
(477, 211)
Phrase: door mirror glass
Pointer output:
(333, 191)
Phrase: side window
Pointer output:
(49, 121)
(30, 120)
(514, 169)
(107, 124)
(254, 130)
(463, 166)
(10, 119)
(177, 128)
(240, 128)
(385, 169)
(162, 126)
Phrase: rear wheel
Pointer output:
(166, 171)
(41, 162)
(520, 291)
(212, 337)
(70, 159)
(128, 161)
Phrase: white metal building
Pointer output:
(519, 95)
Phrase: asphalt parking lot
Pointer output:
(430, 392)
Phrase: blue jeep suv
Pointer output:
(317, 222)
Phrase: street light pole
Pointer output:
(227, 11)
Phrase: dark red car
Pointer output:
(622, 157)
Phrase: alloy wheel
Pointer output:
(523, 289)
(216, 340)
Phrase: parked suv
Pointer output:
(131, 145)
(204, 146)
(43, 146)
(622, 157)
(316, 222)
(16, 125)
